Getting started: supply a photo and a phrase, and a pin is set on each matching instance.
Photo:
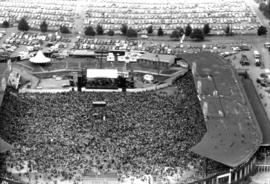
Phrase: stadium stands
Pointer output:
(139, 136)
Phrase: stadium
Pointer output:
(124, 146)
(79, 109)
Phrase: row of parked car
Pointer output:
(264, 79)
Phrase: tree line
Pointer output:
(130, 32)
(195, 34)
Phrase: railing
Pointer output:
(233, 176)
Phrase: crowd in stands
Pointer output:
(60, 136)
(172, 14)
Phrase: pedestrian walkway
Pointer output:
(79, 19)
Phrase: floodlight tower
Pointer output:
(158, 63)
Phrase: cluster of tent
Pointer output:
(56, 13)
(112, 13)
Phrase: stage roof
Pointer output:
(102, 73)
(233, 133)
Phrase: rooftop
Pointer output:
(158, 57)
(233, 134)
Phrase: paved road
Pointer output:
(254, 6)
(79, 20)
(258, 108)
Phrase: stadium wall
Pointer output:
(9, 181)
(234, 176)
(167, 83)
(93, 90)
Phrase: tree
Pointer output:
(227, 29)
(197, 34)
(188, 30)
(206, 29)
(23, 25)
(261, 30)
(110, 32)
(89, 31)
(175, 34)
(181, 31)
(5, 24)
(121, 82)
(132, 33)
(99, 29)
(263, 6)
(124, 29)
(160, 32)
(64, 29)
(43, 26)
(150, 29)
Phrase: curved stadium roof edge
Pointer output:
(233, 134)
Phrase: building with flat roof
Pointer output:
(156, 59)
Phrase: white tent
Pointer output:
(148, 77)
(40, 58)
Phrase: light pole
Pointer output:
(100, 58)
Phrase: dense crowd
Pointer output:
(64, 135)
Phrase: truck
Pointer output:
(244, 60)
(257, 58)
